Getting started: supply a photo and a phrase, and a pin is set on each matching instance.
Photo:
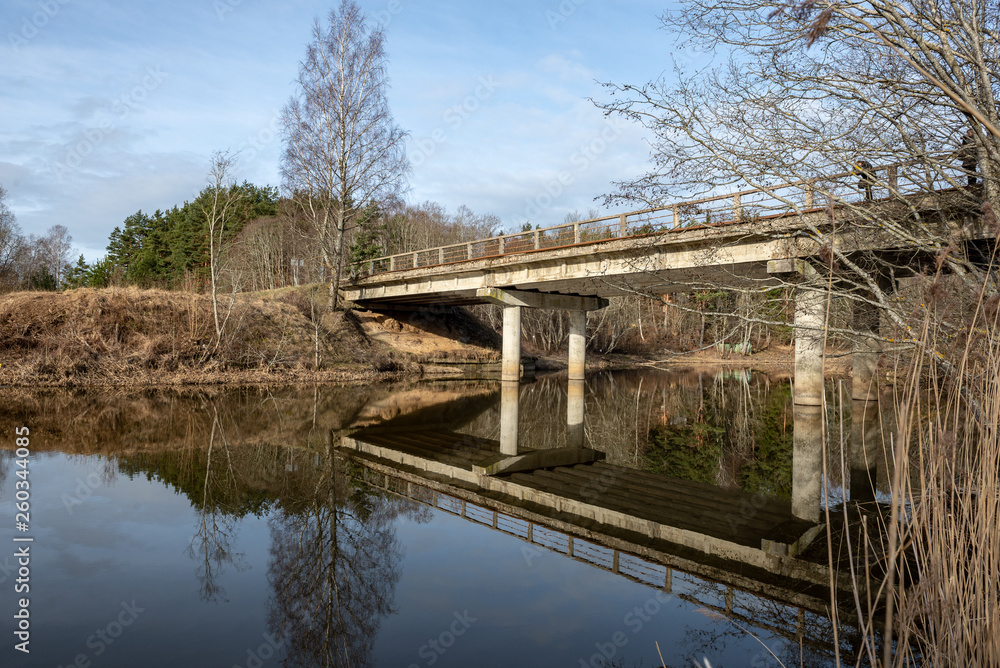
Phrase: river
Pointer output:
(347, 526)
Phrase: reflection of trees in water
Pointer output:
(6, 462)
(333, 571)
(212, 543)
(115, 421)
(334, 556)
(732, 429)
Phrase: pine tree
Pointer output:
(78, 275)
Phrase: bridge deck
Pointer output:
(682, 246)
(447, 448)
(721, 513)
(727, 523)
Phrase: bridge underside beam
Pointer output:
(546, 300)
(462, 288)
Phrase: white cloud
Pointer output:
(224, 81)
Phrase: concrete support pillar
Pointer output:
(574, 414)
(509, 405)
(866, 448)
(807, 462)
(510, 368)
(577, 344)
(864, 385)
(810, 318)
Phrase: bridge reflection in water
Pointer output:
(642, 525)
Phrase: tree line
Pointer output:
(30, 262)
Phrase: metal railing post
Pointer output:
(415, 260)
(500, 240)
(737, 208)
(576, 233)
(536, 239)
(623, 226)
(677, 215)
(392, 263)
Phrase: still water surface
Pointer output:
(227, 528)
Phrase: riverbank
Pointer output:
(127, 336)
(133, 337)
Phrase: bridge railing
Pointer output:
(889, 181)
(723, 599)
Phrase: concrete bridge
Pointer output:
(759, 237)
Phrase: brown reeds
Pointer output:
(938, 603)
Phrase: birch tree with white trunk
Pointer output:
(343, 150)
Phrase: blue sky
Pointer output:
(111, 106)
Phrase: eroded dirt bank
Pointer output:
(128, 336)
(133, 337)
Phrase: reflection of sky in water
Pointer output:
(128, 541)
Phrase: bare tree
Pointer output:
(11, 243)
(343, 151)
(56, 247)
(904, 95)
(896, 85)
(222, 199)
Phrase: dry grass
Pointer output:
(125, 335)
(939, 604)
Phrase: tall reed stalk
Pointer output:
(938, 603)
